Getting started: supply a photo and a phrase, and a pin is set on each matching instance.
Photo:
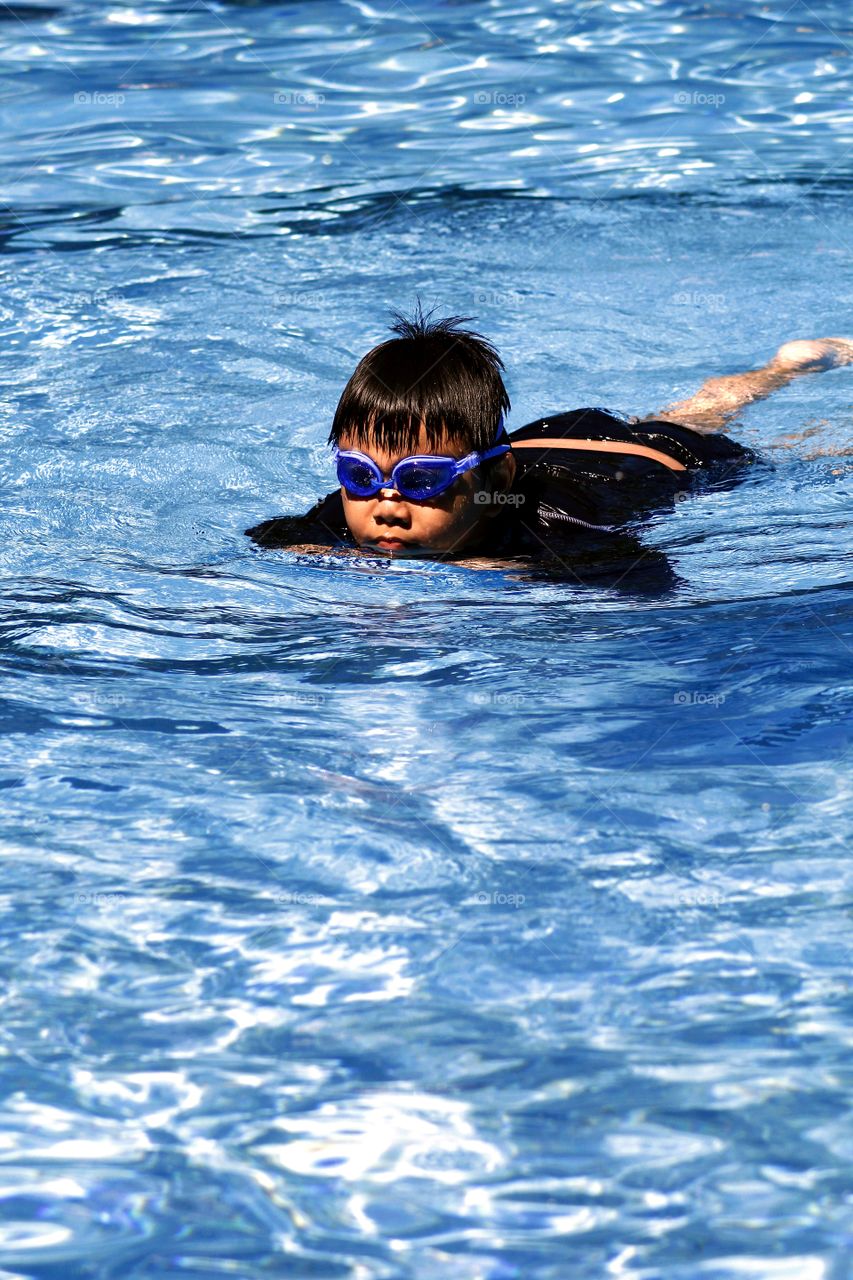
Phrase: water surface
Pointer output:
(372, 918)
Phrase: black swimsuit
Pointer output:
(579, 476)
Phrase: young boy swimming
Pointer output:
(427, 468)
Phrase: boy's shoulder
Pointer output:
(324, 526)
(602, 432)
(591, 466)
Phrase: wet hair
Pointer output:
(433, 372)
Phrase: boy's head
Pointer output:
(435, 389)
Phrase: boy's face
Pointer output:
(446, 523)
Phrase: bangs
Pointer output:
(435, 377)
(400, 430)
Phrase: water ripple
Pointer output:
(579, 101)
(390, 919)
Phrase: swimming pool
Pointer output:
(380, 918)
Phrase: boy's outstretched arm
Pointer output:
(719, 399)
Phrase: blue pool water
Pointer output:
(384, 920)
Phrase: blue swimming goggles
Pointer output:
(417, 477)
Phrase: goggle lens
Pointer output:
(356, 476)
(416, 480)
(425, 480)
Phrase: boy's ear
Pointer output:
(500, 480)
(504, 472)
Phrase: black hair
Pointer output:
(433, 372)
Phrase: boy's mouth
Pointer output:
(392, 544)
